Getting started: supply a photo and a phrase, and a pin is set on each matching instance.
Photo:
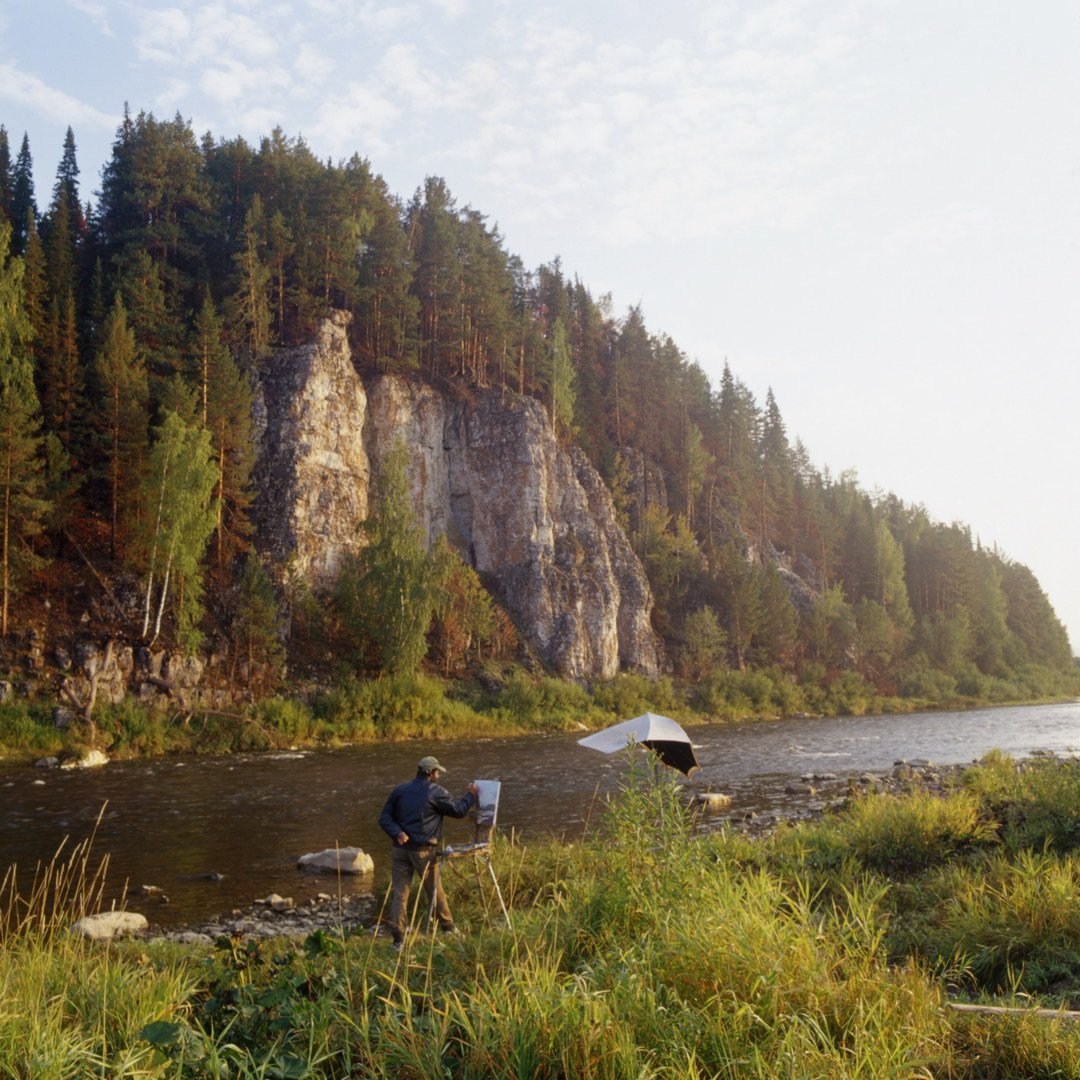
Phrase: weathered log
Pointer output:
(1012, 1010)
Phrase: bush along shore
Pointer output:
(509, 702)
(836, 947)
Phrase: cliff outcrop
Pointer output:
(532, 516)
(311, 475)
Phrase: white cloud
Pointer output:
(232, 82)
(312, 64)
(208, 33)
(381, 18)
(454, 9)
(96, 12)
(36, 95)
(403, 69)
(357, 120)
(163, 35)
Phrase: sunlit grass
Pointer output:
(824, 951)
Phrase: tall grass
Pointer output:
(69, 1009)
(642, 951)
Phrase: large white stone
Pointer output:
(93, 759)
(109, 924)
(346, 860)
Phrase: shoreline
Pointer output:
(346, 914)
(498, 728)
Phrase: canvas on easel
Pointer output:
(487, 809)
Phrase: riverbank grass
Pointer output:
(828, 949)
(506, 702)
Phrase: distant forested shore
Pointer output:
(133, 328)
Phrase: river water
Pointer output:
(171, 822)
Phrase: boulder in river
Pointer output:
(107, 925)
(346, 860)
(713, 800)
(92, 760)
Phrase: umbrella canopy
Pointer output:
(658, 733)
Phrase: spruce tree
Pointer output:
(6, 180)
(256, 625)
(560, 381)
(23, 206)
(227, 397)
(22, 508)
(387, 595)
(248, 308)
(122, 415)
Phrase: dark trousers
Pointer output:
(404, 862)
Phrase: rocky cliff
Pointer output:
(311, 475)
(533, 517)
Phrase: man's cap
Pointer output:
(427, 764)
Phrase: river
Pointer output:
(171, 822)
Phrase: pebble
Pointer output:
(262, 921)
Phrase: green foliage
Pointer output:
(1038, 803)
(22, 508)
(256, 626)
(897, 834)
(1002, 922)
(178, 514)
(643, 950)
(27, 729)
(704, 644)
(387, 595)
(121, 423)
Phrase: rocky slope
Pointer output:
(532, 516)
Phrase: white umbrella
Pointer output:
(658, 733)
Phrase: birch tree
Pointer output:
(179, 513)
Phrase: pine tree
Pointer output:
(67, 184)
(22, 509)
(158, 333)
(123, 414)
(35, 295)
(63, 374)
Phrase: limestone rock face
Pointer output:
(312, 471)
(405, 410)
(530, 515)
(485, 469)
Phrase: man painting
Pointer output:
(413, 819)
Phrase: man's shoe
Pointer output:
(451, 931)
(397, 945)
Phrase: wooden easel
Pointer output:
(480, 852)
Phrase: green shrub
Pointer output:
(1002, 923)
(1038, 803)
(893, 833)
(629, 695)
(27, 728)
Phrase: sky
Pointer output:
(870, 207)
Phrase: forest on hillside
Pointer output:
(132, 325)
